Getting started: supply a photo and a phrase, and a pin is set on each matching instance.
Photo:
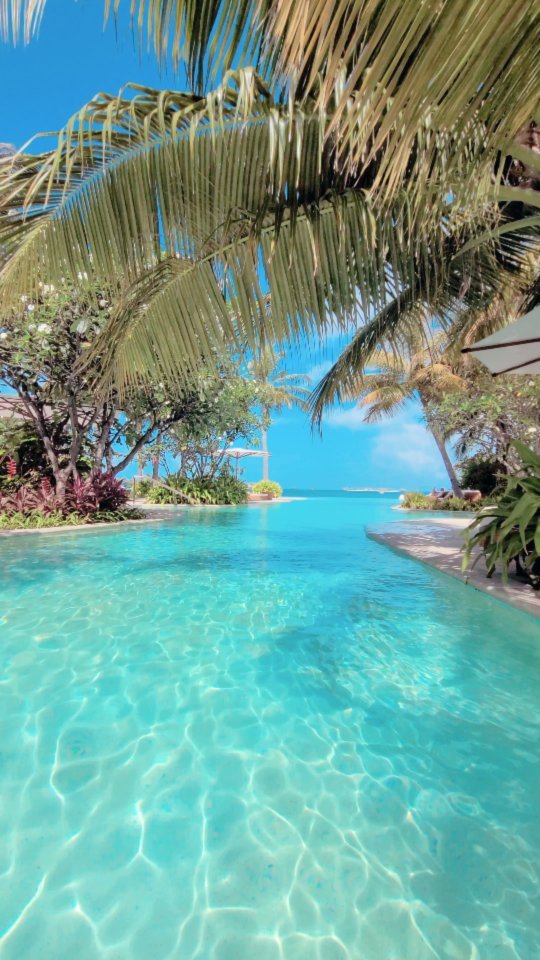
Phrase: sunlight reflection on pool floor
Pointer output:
(256, 734)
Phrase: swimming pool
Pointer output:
(254, 734)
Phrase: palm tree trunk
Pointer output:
(264, 443)
(441, 446)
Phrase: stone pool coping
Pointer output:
(437, 542)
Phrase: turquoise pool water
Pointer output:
(254, 734)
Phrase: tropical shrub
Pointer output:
(419, 501)
(268, 486)
(221, 490)
(83, 497)
(482, 474)
(143, 487)
(509, 531)
(109, 492)
(27, 499)
(227, 489)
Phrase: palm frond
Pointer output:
(385, 69)
(20, 18)
(428, 321)
(186, 204)
(384, 403)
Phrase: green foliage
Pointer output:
(143, 488)
(510, 531)
(226, 415)
(419, 501)
(170, 493)
(18, 439)
(268, 486)
(481, 474)
(488, 415)
(221, 490)
(302, 224)
(39, 521)
(48, 358)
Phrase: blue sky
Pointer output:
(41, 86)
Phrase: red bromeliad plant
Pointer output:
(100, 492)
(27, 499)
(109, 492)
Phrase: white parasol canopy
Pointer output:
(514, 349)
(237, 453)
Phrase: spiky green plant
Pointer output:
(509, 532)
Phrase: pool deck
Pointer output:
(437, 542)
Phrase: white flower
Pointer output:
(44, 328)
(24, 298)
(4, 335)
(30, 307)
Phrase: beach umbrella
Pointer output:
(238, 453)
(514, 349)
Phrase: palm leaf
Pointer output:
(386, 69)
(190, 207)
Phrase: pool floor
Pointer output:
(254, 734)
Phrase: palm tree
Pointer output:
(369, 60)
(423, 370)
(335, 187)
(144, 193)
(277, 389)
(472, 306)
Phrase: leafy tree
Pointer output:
(484, 419)
(275, 389)
(44, 353)
(480, 473)
(465, 314)
(334, 220)
(225, 416)
(368, 178)
(423, 370)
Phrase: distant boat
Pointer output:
(370, 490)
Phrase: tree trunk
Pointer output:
(141, 457)
(264, 443)
(155, 468)
(61, 478)
(441, 446)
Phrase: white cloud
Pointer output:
(400, 445)
(318, 371)
(350, 419)
(408, 444)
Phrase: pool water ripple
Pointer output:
(255, 733)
